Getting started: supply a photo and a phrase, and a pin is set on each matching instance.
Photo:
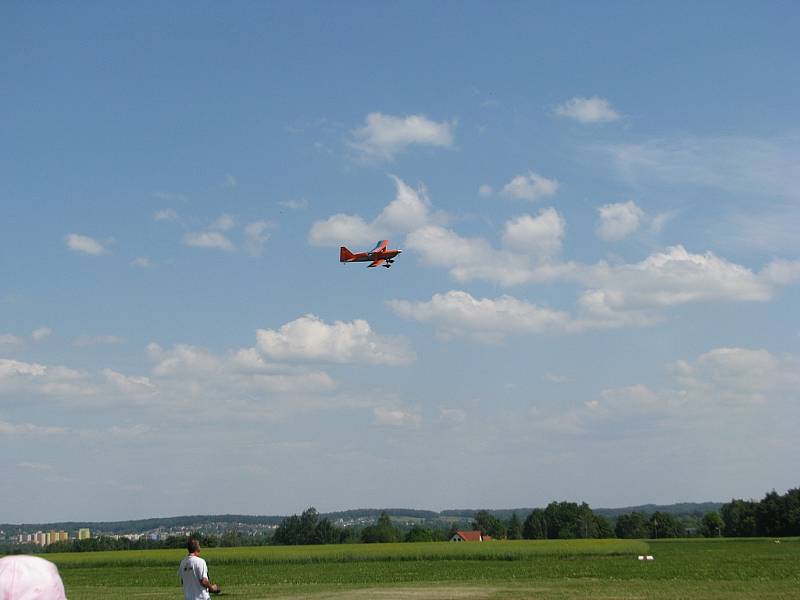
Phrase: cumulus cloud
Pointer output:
(740, 376)
(256, 236)
(166, 214)
(470, 259)
(51, 381)
(27, 429)
(384, 136)
(395, 417)
(618, 221)
(224, 222)
(677, 276)
(781, 272)
(310, 338)
(208, 239)
(8, 339)
(530, 186)
(457, 313)
(85, 244)
(143, 262)
(409, 210)
(587, 110)
(540, 236)
(41, 333)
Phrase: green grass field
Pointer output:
(608, 569)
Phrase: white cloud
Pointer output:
(540, 236)
(626, 401)
(301, 204)
(675, 276)
(129, 384)
(556, 378)
(231, 181)
(740, 376)
(183, 358)
(27, 429)
(761, 167)
(485, 190)
(143, 262)
(8, 339)
(208, 239)
(618, 221)
(531, 186)
(225, 222)
(341, 229)
(310, 338)
(384, 136)
(85, 244)
(41, 333)
(409, 210)
(52, 381)
(395, 417)
(587, 110)
(457, 313)
(11, 368)
(84, 341)
(781, 272)
(256, 236)
(471, 259)
(166, 214)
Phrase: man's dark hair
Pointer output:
(193, 545)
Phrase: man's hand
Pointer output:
(214, 588)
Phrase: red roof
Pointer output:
(470, 536)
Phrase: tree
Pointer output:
(711, 525)
(665, 525)
(568, 520)
(382, 532)
(535, 525)
(632, 526)
(603, 527)
(288, 532)
(514, 528)
(423, 534)
(488, 524)
(308, 528)
(739, 518)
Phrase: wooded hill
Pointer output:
(685, 509)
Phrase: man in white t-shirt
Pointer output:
(194, 574)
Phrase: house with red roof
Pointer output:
(469, 536)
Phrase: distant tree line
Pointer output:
(774, 516)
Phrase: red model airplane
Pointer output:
(379, 256)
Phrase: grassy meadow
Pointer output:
(608, 569)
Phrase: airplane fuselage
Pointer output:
(372, 256)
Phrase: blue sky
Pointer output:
(597, 203)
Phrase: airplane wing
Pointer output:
(380, 246)
(376, 263)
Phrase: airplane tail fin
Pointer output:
(345, 254)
